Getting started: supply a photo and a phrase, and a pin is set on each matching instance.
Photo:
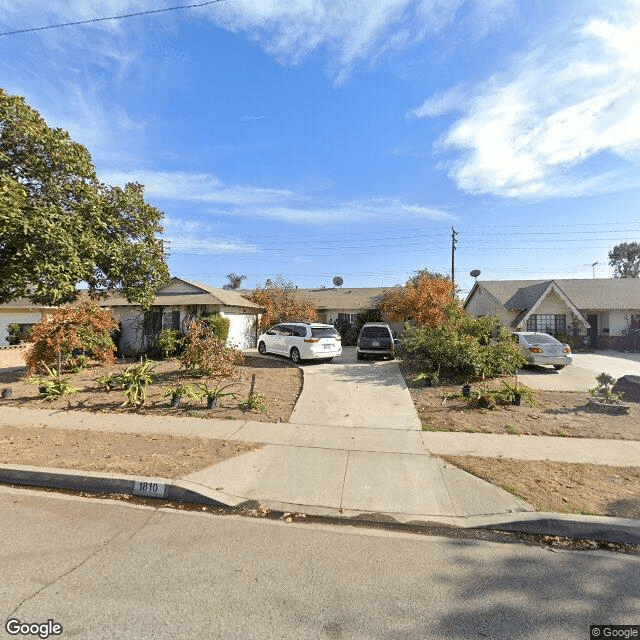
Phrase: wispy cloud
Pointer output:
(194, 235)
(351, 32)
(564, 120)
(196, 187)
(260, 202)
(439, 104)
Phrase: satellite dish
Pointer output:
(338, 281)
(475, 273)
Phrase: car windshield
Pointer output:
(375, 332)
(324, 332)
(542, 338)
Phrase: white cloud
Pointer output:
(260, 202)
(439, 104)
(351, 32)
(195, 187)
(529, 133)
(193, 235)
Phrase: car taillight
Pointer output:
(536, 350)
(312, 339)
(566, 350)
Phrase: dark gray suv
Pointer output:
(375, 339)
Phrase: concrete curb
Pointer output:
(163, 488)
(600, 528)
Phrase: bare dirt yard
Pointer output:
(127, 453)
(556, 413)
(277, 380)
(549, 486)
(560, 486)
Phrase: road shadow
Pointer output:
(535, 595)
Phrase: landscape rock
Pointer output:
(630, 387)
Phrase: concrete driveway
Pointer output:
(348, 392)
(581, 375)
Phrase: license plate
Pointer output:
(328, 346)
(375, 344)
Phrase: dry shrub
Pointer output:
(205, 354)
(86, 327)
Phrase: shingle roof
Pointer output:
(587, 293)
(209, 296)
(23, 303)
(360, 298)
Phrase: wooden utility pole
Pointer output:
(454, 233)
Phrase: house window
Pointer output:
(547, 323)
(152, 323)
(348, 317)
(171, 320)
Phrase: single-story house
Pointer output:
(344, 303)
(175, 305)
(22, 312)
(604, 312)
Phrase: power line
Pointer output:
(126, 15)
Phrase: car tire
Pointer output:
(295, 356)
(558, 367)
(262, 348)
(359, 355)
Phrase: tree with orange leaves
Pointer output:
(62, 331)
(421, 301)
(283, 303)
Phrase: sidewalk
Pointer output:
(353, 449)
(344, 472)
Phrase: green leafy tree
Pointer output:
(59, 225)
(625, 260)
(462, 345)
(234, 281)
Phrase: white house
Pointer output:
(22, 312)
(175, 305)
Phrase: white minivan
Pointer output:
(301, 341)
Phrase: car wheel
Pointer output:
(295, 355)
(262, 348)
(558, 367)
(359, 355)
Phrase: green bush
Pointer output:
(462, 346)
(218, 325)
(167, 343)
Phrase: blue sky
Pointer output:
(314, 138)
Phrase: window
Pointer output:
(348, 317)
(152, 323)
(171, 320)
(547, 323)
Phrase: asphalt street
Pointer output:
(106, 570)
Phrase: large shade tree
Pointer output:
(60, 226)
(625, 260)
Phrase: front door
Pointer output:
(592, 332)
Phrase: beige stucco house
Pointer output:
(344, 303)
(605, 312)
